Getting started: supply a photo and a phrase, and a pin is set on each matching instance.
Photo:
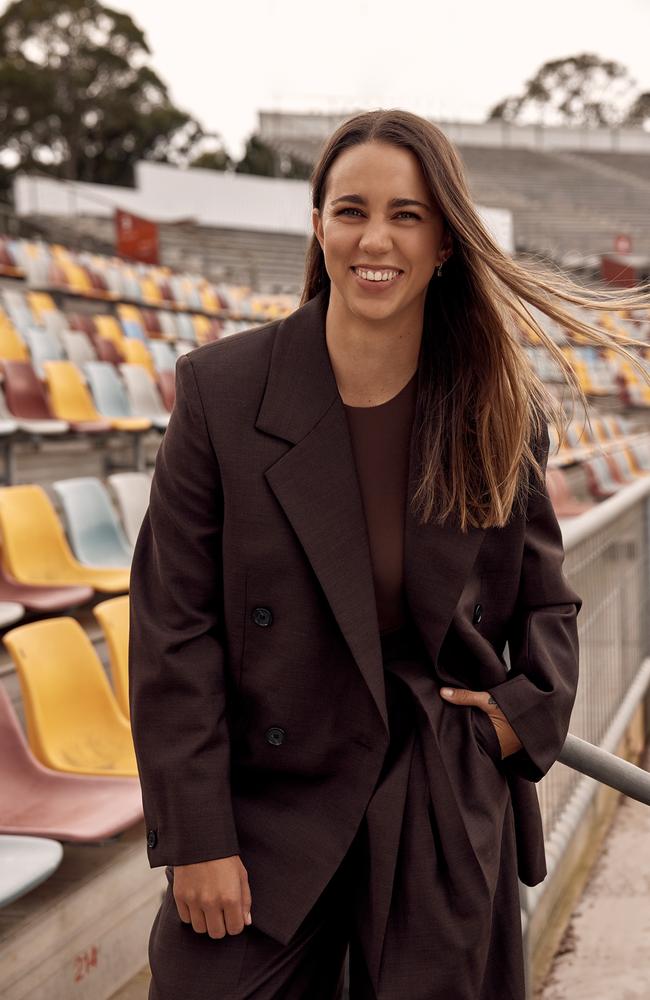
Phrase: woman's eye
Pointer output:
(412, 214)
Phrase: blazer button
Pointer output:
(275, 735)
(478, 614)
(262, 616)
(152, 838)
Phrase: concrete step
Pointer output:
(84, 932)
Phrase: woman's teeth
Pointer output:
(376, 275)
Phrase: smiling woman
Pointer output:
(332, 543)
(380, 255)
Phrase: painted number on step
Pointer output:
(84, 962)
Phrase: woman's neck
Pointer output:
(371, 361)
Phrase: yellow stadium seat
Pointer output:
(202, 325)
(209, 299)
(35, 549)
(41, 303)
(113, 616)
(150, 292)
(69, 394)
(72, 718)
(76, 277)
(126, 311)
(109, 327)
(12, 348)
(136, 353)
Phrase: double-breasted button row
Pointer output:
(275, 735)
(478, 614)
(262, 616)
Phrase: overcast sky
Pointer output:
(452, 60)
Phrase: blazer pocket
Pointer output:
(486, 734)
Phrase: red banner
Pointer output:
(136, 238)
(617, 271)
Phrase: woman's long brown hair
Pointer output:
(481, 409)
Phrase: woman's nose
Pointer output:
(375, 238)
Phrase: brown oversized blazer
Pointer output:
(256, 679)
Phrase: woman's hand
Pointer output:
(213, 896)
(508, 739)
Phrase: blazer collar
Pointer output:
(301, 385)
(316, 484)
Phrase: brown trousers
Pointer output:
(390, 900)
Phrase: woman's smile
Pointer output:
(376, 280)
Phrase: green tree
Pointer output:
(259, 158)
(576, 90)
(217, 159)
(77, 97)
(268, 161)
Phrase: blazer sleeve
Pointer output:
(538, 696)
(177, 688)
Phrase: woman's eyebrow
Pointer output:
(393, 203)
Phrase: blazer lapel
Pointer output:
(316, 484)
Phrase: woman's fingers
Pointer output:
(246, 897)
(198, 919)
(213, 896)
(214, 921)
(507, 737)
(183, 911)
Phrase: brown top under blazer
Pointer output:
(256, 679)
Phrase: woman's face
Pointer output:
(379, 216)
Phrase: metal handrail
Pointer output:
(607, 768)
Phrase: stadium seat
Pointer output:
(167, 386)
(131, 491)
(56, 324)
(186, 327)
(163, 356)
(78, 347)
(135, 352)
(111, 397)
(41, 303)
(72, 401)
(639, 452)
(8, 425)
(144, 398)
(25, 862)
(151, 323)
(35, 549)
(564, 502)
(12, 346)
(10, 612)
(42, 599)
(108, 326)
(107, 351)
(40, 802)
(168, 324)
(94, 531)
(43, 346)
(18, 309)
(599, 478)
(27, 401)
(113, 616)
(73, 721)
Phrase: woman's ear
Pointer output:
(446, 245)
(317, 223)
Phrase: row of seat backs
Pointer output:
(68, 397)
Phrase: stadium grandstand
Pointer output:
(88, 346)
